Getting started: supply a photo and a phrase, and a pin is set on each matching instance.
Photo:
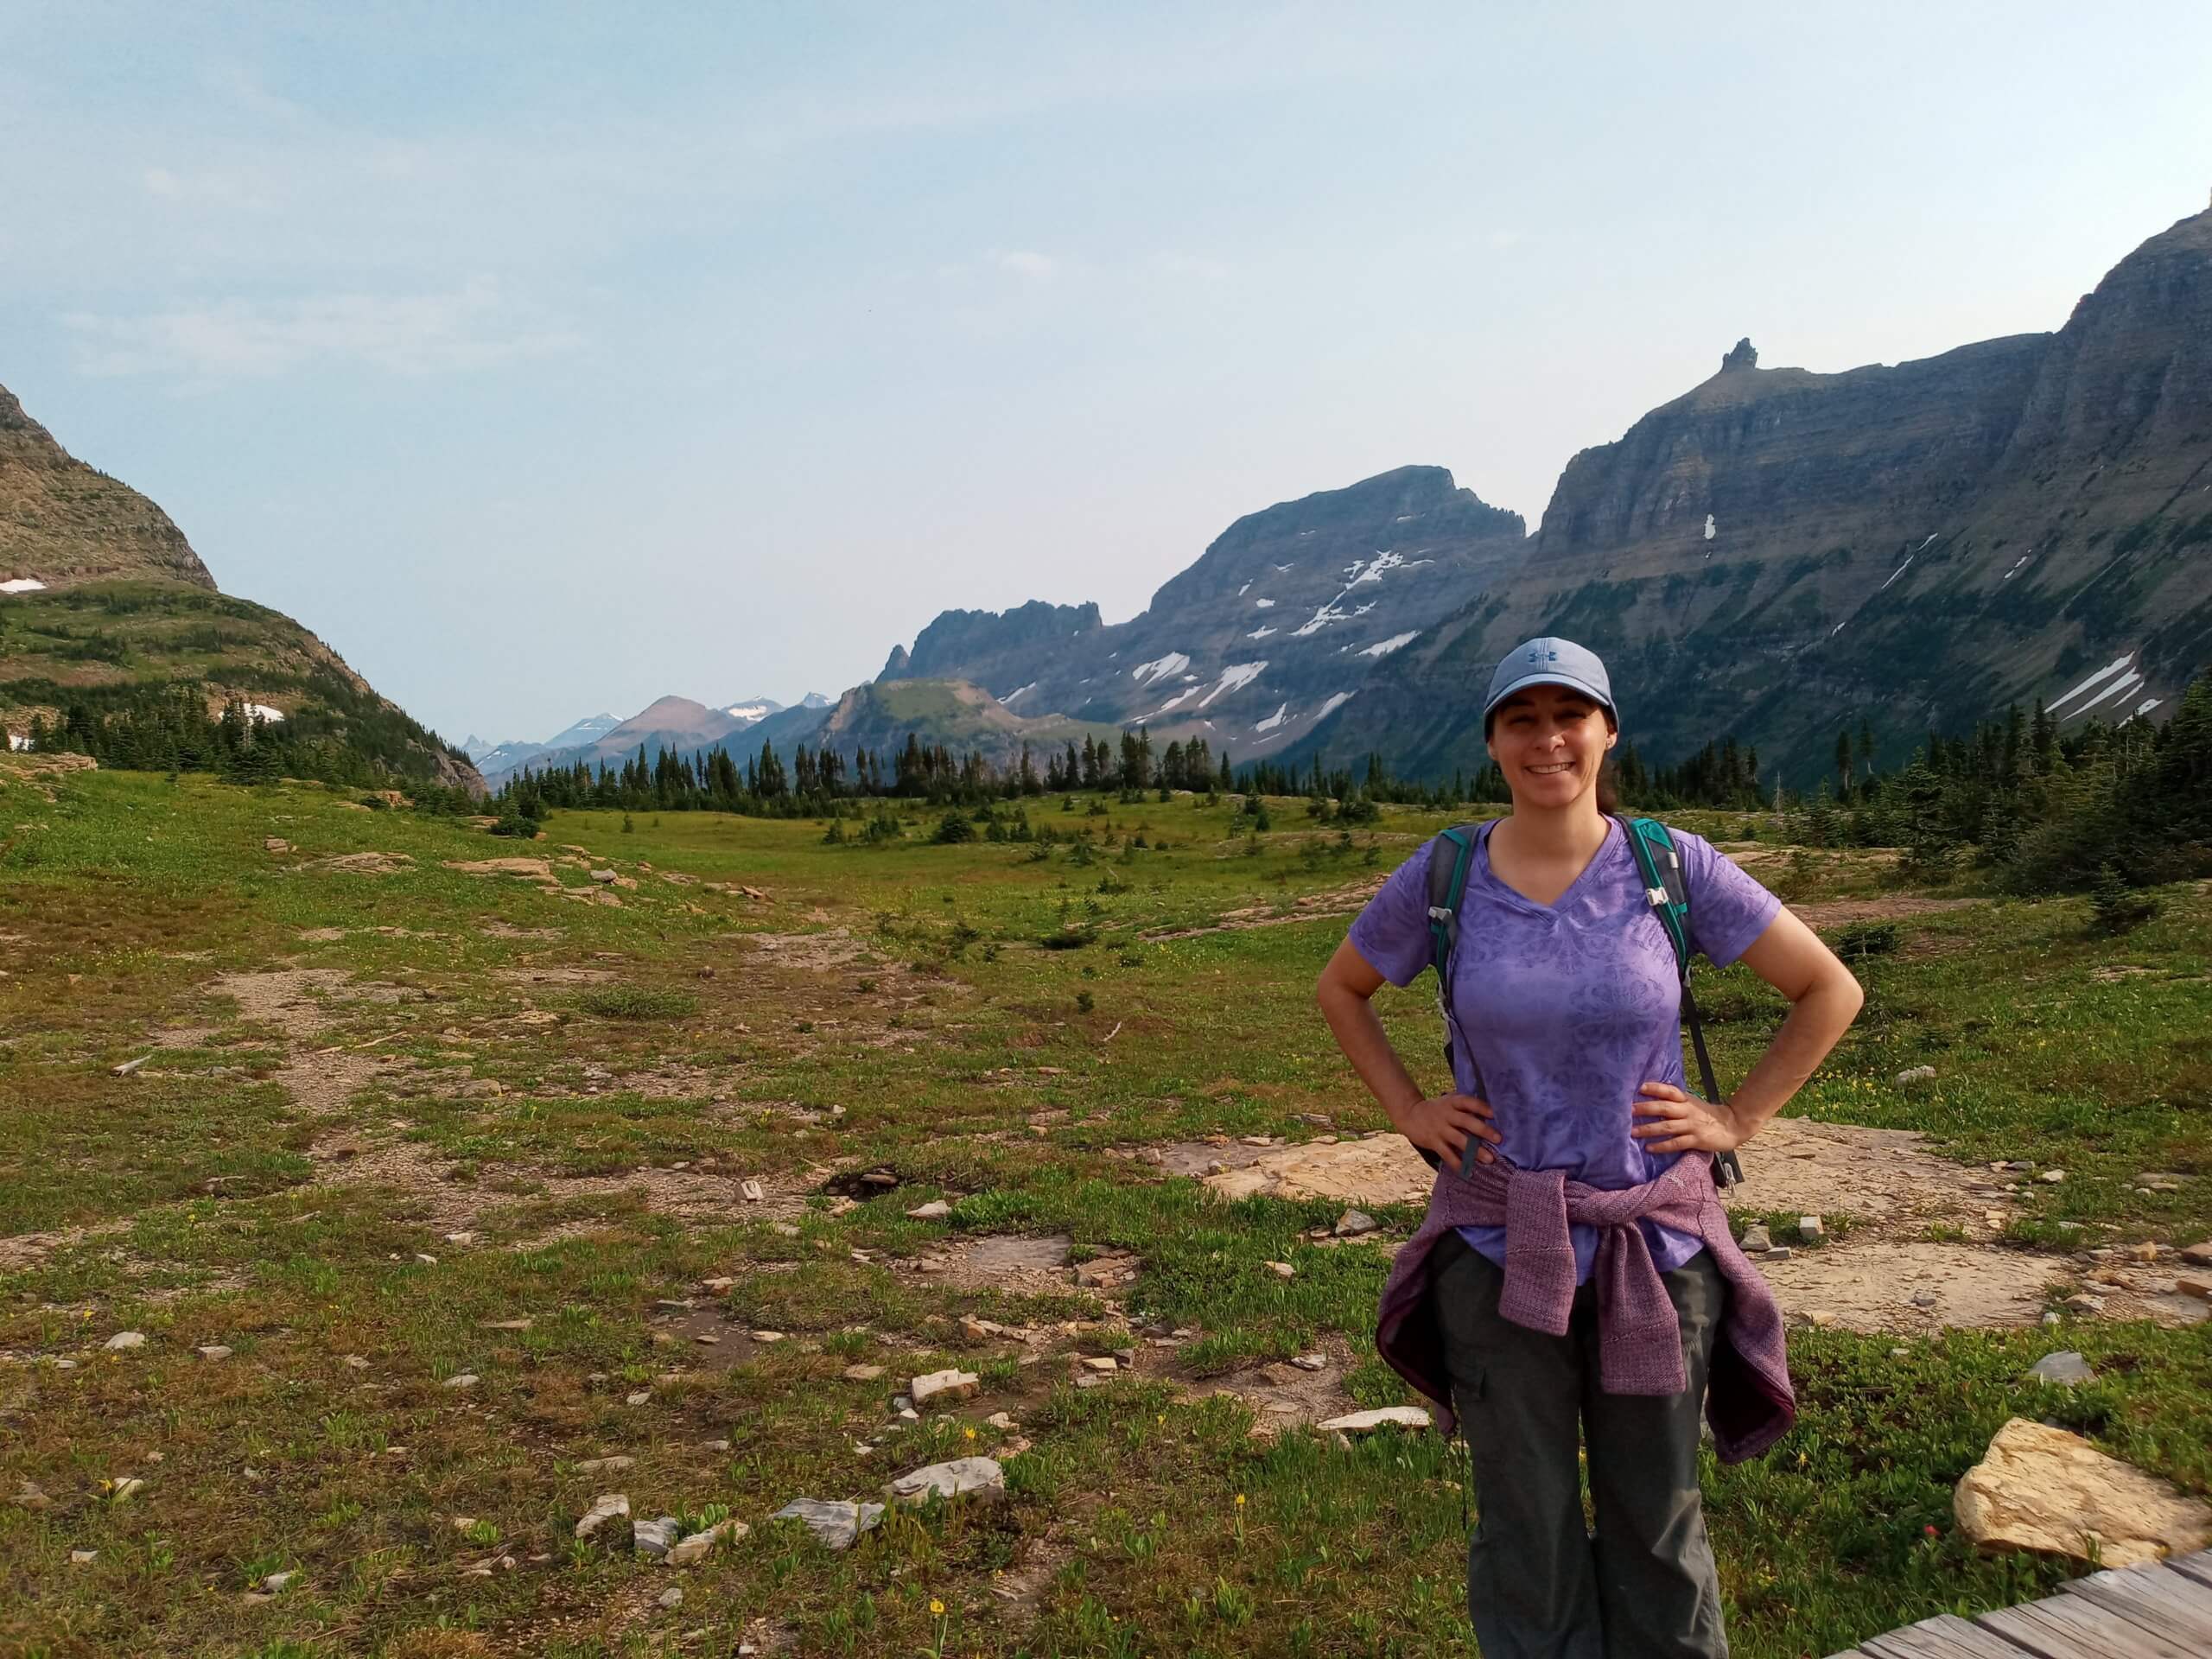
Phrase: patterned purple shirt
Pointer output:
(1567, 1009)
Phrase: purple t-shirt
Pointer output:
(1566, 1010)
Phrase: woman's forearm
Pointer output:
(1359, 1034)
(1817, 1021)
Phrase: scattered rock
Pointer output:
(31, 1496)
(2047, 1490)
(837, 1522)
(935, 1210)
(213, 1350)
(1821, 1317)
(1281, 1269)
(606, 1465)
(654, 1539)
(961, 1477)
(1810, 1229)
(2189, 1284)
(669, 1599)
(638, 1398)
(606, 1507)
(1362, 1422)
(128, 1066)
(275, 1583)
(752, 1191)
(2051, 1176)
(83, 1557)
(767, 1335)
(695, 1546)
(1779, 1252)
(862, 1373)
(2082, 1302)
(464, 1380)
(127, 1487)
(1311, 1362)
(123, 1341)
(2198, 1255)
(1916, 1074)
(1001, 1419)
(604, 878)
(1355, 1223)
(275, 844)
(943, 1387)
(1100, 1363)
(1757, 1240)
(2066, 1369)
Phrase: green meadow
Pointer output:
(454, 1165)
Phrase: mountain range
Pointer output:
(105, 599)
(670, 723)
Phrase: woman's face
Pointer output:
(1550, 741)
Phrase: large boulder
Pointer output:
(2044, 1490)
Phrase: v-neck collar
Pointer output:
(1514, 895)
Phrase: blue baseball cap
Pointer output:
(1549, 662)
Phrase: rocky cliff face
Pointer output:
(1275, 625)
(63, 524)
(70, 535)
(1777, 552)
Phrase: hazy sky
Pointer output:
(546, 359)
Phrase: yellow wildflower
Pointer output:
(936, 1607)
(1240, 1500)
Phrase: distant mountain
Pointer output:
(815, 700)
(1274, 627)
(105, 599)
(751, 711)
(589, 730)
(675, 723)
(1777, 553)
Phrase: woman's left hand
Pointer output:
(1688, 1123)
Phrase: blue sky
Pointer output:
(545, 359)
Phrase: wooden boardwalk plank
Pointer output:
(2169, 1603)
(2072, 1627)
(1945, 1636)
(2197, 1566)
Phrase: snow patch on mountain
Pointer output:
(1160, 667)
(21, 585)
(1235, 677)
(1274, 720)
(1397, 641)
(1335, 703)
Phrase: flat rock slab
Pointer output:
(2053, 1493)
(943, 1387)
(1009, 1257)
(1802, 1166)
(1870, 1285)
(961, 1477)
(1384, 1170)
(1362, 1422)
(836, 1522)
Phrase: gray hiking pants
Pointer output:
(1540, 1585)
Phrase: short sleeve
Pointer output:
(1392, 932)
(1728, 909)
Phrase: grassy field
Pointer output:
(453, 1164)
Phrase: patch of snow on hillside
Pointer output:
(1405, 518)
(1899, 571)
(1160, 667)
(1922, 548)
(1838, 628)
(1710, 532)
(263, 711)
(1008, 700)
(19, 740)
(21, 585)
(1186, 692)
(1333, 704)
(2118, 688)
(2143, 708)
(1397, 641)
(1264, 604)
(1235, 677)
(1384, 560)
(1284, 570)
(2017, 563)
(1241, 592)
(1259, 633)
(1274, 720)
(1363, 609)
(2097, 678)
(1318, 620)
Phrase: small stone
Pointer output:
(465, 1380)
(2066, 1369)
(83, 1557)
(604, 1508)
(1924, 1299)
(1354, 1224)
(2082, 1302)
(1126, 1355)
(1810, 1229)
(1779, 1252)
(503, 1325)
(426, 1259)
(837, 1522)
(213, 1350)
(752, 1191)
(2051, 1176)
(2192, 1285)
(1311, 1362)
(127, 1487)
(1757, 1240)
(1281, 1269)
(767, 1335)
(653, 1539)
(639, 1398)
(935, 1210)
(276, 1581)
(606, 1465)
(669, 1599)
(604, 878)
(707, 1338)
(354, 1362)
(961, 1477)
(907, 1413)
(31, 1496)
(128, 1066)
(862, 1373)
(1101, 1362)
(1001, 1419)
(1899, 1353)
(461, 1238)
(784, 1229)
(123, 1341)
(1821, 1317)
(1916, 1074)
(943, 1387)
(1361, 1422)
(695, 1546)
(2198, 1255)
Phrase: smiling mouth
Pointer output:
(1558, 767)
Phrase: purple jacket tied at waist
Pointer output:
(1749, 1400)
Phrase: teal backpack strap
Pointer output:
(1452, 857)
(1669, 896)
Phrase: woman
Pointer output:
(1581, 1271)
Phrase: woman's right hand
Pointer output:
(1444, 1123)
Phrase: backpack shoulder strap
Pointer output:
(1454, 856)
(1664, 885)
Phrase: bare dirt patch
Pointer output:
(1338, 901)
(1886, 1178)
(554, 976)
(363, 863)
(1282, 1396)
(497, 930)
(832, 948)
(1382, 1169)
(1885, 1285)
(1836, 912)
(1010, 1261)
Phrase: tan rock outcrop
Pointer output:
(2044, 1490)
